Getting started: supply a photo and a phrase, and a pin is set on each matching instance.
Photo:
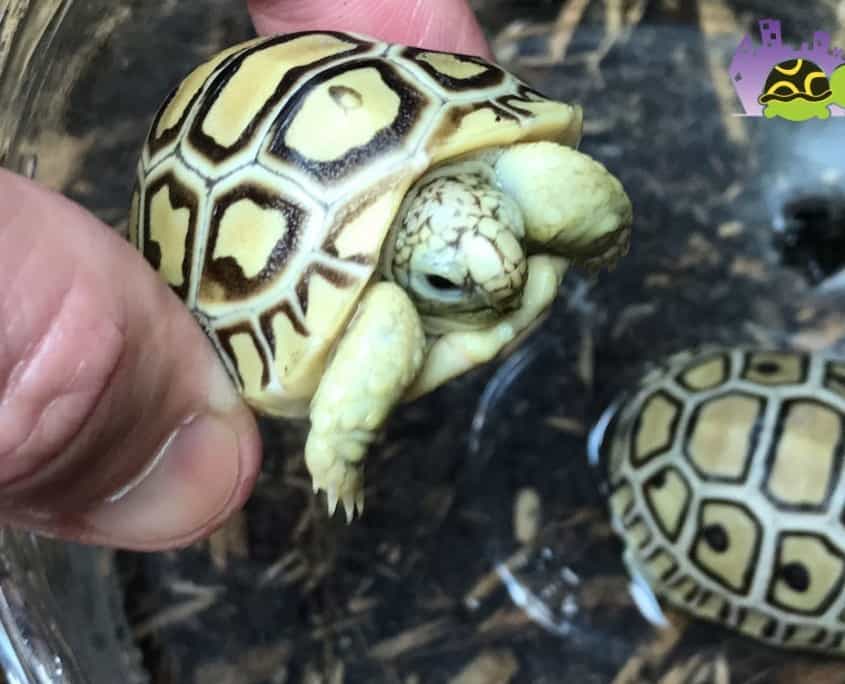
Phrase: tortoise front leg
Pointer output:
(573, 206)
(377, 359)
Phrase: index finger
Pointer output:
(448, 25)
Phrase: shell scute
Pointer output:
(246, 356)
(452, 76)
(169, 123)
(738, 503)
(249, 91)
(171, 211)
(775, 368)
(809, 574)
(720, 437)
(668, 496)
(356, 124)
(654, 428)
(705, 374)
(804, 463)
(253, 238)
(727, 543)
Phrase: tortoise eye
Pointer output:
(441, 283)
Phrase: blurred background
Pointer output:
(485, 555)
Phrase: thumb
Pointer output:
(448, 25)
(118, 424)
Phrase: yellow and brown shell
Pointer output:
(726, 472)
(272, 174)
(796, 78)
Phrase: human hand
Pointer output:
(118, 424)
(448, 25)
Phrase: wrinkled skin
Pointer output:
(474, 260)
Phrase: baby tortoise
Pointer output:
(727, 487)
(354, 223)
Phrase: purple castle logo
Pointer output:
(775, 79)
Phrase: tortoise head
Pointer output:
(458, 249)
(463, 236)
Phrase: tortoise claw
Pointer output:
(343, 484)
(331, 498)
(352, 502)
(349, 494)
(336, 467)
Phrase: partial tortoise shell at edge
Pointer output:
(726, 473)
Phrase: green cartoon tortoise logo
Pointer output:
(798, 90)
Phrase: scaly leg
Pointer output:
(377, 359)
(573, 207)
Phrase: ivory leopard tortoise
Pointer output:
(726, 479)
(354, 223)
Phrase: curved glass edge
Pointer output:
(27, 29)
(61, 618)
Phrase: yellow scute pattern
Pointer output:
(169, 228)
(733, 564)
(452, 66)
(774, 368)
(822, 567)
(250, 363)
(668, 500)
(363, 232)
(327, 127)
(290, 347)
(173, 112)
(249, 233)
(328, 306)
(805, 456)
(259, 75)
(705, 375)
(655, 428)
(721, 441)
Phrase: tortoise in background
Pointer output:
(726, 484)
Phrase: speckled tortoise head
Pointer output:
(356, 223)
(462, 237)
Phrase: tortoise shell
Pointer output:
(727, 488)
(796, 78)
(272, 174)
